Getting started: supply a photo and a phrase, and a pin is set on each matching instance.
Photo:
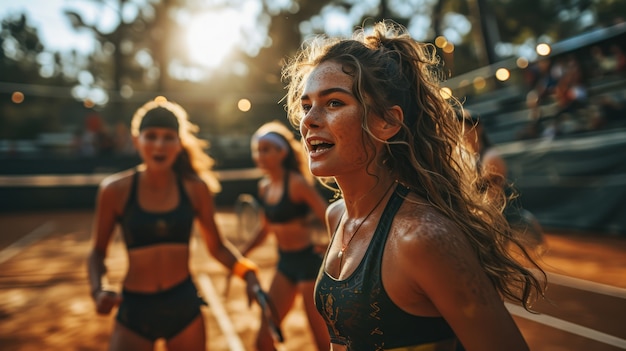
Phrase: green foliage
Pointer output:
(156, 32)
(19, 47)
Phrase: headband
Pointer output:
(159, 117)
(275, 139)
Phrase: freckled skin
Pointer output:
(339, 115)
(429, 267)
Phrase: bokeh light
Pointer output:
(17, 97)
(441, 41)
(448, 48)
(244, 105)
(446, 93)
(479, 83)
(543, 49)
(502, 74)
(522, 62)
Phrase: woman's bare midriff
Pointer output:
(168, 264)
(293, 235)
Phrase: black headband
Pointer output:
(159, 117)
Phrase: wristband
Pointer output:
(243, 266)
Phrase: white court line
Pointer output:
(567, 326)
(26, 240)
(586, 285)
(217, 308)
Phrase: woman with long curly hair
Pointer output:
(419, 258)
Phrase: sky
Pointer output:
(57, 35)
(203, 29)
(53, 25)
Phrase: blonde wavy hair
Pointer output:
(390, 68)
(192, 160)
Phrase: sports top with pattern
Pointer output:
(360, 314)
(141, 228)
(285, 210)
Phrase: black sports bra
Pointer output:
(360, 314)
(285, 210)
(142, 228)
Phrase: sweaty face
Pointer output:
(158, 147)
(331, 125)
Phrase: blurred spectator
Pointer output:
(620, 58)
(551, 130)
(83, 143)
(571, 92)
(596, 119)
(105, 142)
(87, 139)
(612, 110)
(122, 140)
(604, 64)
(494, 178)
(568, 124)
(531, 131)
(542, 78)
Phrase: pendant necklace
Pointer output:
(344, 247)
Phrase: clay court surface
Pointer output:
(45, 303)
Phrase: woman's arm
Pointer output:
(219, 247)
(307, 193)
(104, 224)
(259, 237)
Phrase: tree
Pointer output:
(19, 47)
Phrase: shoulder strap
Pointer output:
(373, 256)
(132, 198)
(181, 189)
(286, 185)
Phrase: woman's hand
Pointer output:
(105, 301)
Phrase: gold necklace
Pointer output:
(344, 247)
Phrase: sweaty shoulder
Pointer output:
(430, 255)
(117, 179)
(115, 188)
(423, 231)
(197, 190)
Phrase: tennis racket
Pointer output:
(248, 212)
(269, 313)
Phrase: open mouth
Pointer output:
(159, 158)
(319, 145)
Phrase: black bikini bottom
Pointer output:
(298, 266)
(163, 314)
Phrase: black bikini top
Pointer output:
(358, 311)
(142, 228)
(285, 210)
